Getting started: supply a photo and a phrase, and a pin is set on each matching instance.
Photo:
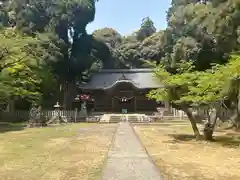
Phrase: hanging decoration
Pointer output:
(124, 99)
(82, 97)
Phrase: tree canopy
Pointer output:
(193, 56)
(22, 63)
(197, 65)
(63, 23)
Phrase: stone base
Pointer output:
(36, 124)
(57, 120)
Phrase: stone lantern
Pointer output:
(57, 107)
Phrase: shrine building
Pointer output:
(115, 90)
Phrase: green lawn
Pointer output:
(61, 152)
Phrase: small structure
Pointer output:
(159, 114)
(36, 118)
(122, 90)
(57, 118)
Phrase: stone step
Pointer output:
(104, 119)
(136, 118)
(115, 119)
(133, 119)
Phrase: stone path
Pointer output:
(127, 159)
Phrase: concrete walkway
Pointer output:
(127, 159)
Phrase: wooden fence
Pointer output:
(24, 115)
(203, 112)
(72, 114)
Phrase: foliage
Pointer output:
(199, 35)
(61, 26)
(66, 20)
(203, 34)
(130, 51)
(108, 40)
(22, 63)
(147, 29)
(109, 36)
(153, 47)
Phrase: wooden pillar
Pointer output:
(167, 106)
(94, 103)
(113, 103)
(135, 104)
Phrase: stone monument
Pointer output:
(36, 118)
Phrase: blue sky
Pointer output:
(125, 15)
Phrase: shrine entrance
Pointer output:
(124, 104)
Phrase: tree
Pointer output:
(124, 52)
(216, 86)
(19, 48)
(200, 34)
(189, 88)
(176, 86)
(147, 29)
(22, 64)
(107, 55)
(185, 89)
(109, 36)
(209, 29)
(129, 52)
(153, 48)
(229, 75)
(66, 20)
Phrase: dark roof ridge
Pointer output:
(125, 70)
(135, 85)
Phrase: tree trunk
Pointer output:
(236, 117)
(11, 105)
(208, 132)
(193, 122)
(69, 92)
(210, 125)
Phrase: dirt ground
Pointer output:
(178, 156)
(65, 152)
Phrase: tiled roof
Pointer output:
(107, 78)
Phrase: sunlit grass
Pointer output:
(56, 152)
(179, 156)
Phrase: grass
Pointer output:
(5, 127)
(61, 152)
(179, 156)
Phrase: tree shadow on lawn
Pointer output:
(6, 127)
(152, 124)
(182, 137)
(228, 139)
